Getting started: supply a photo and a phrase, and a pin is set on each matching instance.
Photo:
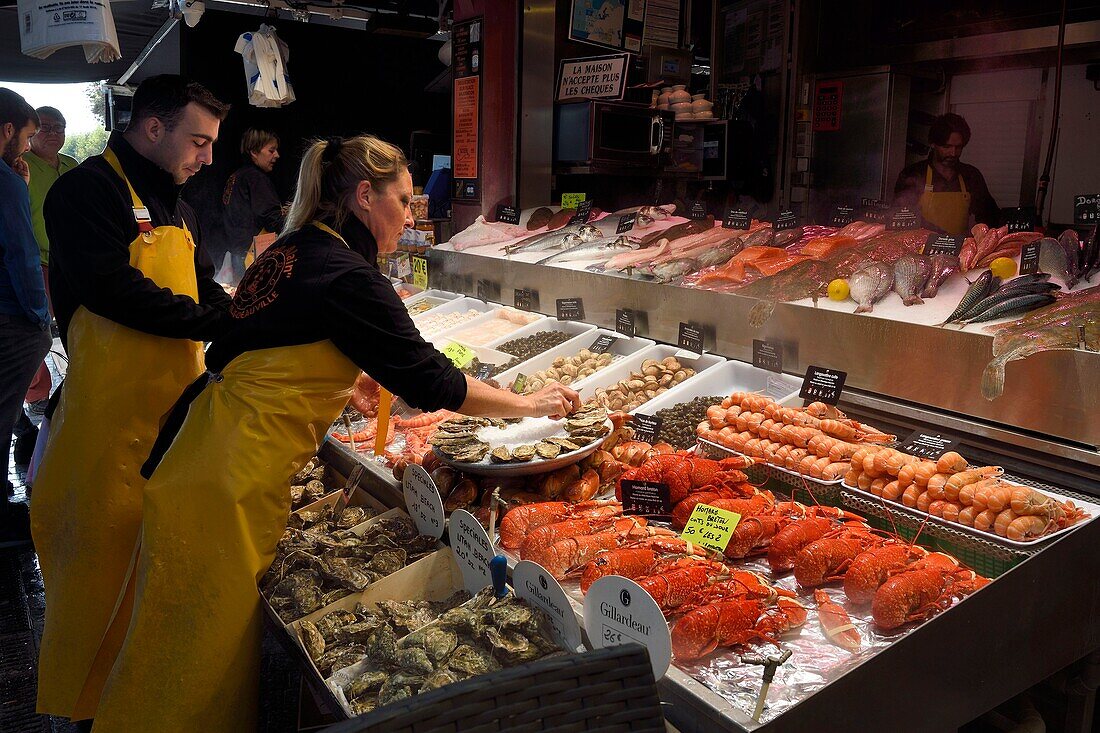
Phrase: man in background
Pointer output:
(24, 318)
(46, 164)
(947, 191)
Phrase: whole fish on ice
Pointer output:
(911, 273)
(569, 236)
(869, 283)
(606, 247)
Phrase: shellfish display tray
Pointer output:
(529, 431)
(1088, 506)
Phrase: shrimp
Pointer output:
(1026, 527)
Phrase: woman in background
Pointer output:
(252, 205)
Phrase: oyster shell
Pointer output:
(414, 660)
(470, 661)
(548, 450)
(500, 455)
(524, 453)
(330, 622)
(369, 681)
(312, 639)
(365, 704)
(339, 657)
(437, 679)
(352, 516)
(472, 454)
(358, 632)
(382, 646)
(566, 444)
(439, 643)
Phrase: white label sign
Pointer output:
(619, 611)
(472, 548)
(536, 586)
(593, 77)
(423, 501)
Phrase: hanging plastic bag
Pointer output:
(265, 58)
(46, 26)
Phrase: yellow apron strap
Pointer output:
(326, 228)
(112, 160)
(928, 181)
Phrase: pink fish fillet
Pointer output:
(637, 257)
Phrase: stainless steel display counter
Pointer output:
(1048, 411)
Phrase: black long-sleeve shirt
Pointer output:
(910, 186)
(90, 222)
(308, 286)
(251, 204)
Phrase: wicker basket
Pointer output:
(605, 690)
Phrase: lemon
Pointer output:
(838, 289)
(1003, 267)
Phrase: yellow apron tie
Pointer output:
(86, 513)
(948, 210)
(214, 510)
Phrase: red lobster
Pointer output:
(792, 538)
(727, 623)
(685, 472)
(521, 520)
(827, 559)
(919, 592)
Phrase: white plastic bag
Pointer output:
(46, 26)
(265, 57)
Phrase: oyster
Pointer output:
(407, 616)
(387, 561)
(312, 639)
(437, 679)
(500, 455)
(339, 657)
(314, 490)
(330, 622)
(382, 646)
(439, 643)
(392, 693)
(352, 573)
(472, 454)
(462, 619)
(296, 493)
(334, 595)
(368, 681)
(414, 660)
(303, 589)
(358, 632)
(566, 444)
(470, 661)
(548, 450)
(364, 705)
(513, 646)
(352, 516)
(524, 453)
(582, 440)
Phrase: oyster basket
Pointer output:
(791, 485)
(604, 690)
(983, 556)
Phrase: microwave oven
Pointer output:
(595, 133)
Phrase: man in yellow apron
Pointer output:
(946, 190)
(134, 298)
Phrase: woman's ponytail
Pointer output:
(307, 197)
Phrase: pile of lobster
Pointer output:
(816, 441)
(975, 496)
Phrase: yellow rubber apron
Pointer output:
(86, 512)
(948, 210)
(214, 510)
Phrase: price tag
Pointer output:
(459, 355)
(619, 611)
(944, 244)
(354, 478)
(485, 372)
(488, 290)
(626, 223)
(571, 200)
(472, 548)
(823, 385)
(508, 214)
(624, 322)
(402, 265)
(533, 584)
(928, 445)
(874, 210)
(602, 343)
(903, 219)
(647, 498)
(785, 220)
(690, 338)
(842, 216)
(420, 271)
(698, 211)
(423, 501)
(766, 355)
(521, 298)
(1086, 208)
(1029, 258)
(520, 383)
(737, 219)
(646, 427)
(710, 527)
(584, 213)
(570, 309)
(1020, 218)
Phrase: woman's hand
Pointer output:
(554, 400)
(22, 170)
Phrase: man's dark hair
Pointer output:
(53, 112)
(165, 96)
(16, 110)
(944, 125)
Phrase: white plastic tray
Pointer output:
(621, 347)
(572, 328)
(459, 305)
(1092, 509)
(723, 379)
(622, 369)
(771, 466)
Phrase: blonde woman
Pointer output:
(309, 314)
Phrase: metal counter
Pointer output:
(1050, 402)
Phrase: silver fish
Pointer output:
(1058, 257)
(983, 286)
(943, 267)
(869, 284)
(911, 273)
(571, 235)
(669, 271)
(1013, 306)
(606, 246)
